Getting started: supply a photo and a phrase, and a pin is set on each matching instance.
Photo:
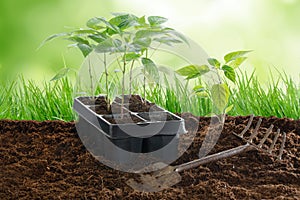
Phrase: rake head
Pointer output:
(263, 142)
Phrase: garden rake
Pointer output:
(169, 175)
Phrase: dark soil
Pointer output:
(46, 160)
(101, 109)
(134, 104)
(93, 101)
(122, 119)
(100, 105)
(138, 104)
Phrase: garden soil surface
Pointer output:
(46, 160)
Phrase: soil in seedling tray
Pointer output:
(93, 101)
(46, 160)
(99, 105)
(102, 109)
(122, 119)
(137, 104)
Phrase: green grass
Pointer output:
(280, 98)
(26, 100)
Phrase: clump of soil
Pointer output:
(47, 160)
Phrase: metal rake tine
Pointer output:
(263, 140)
(254, 134)
(282, 146)
(247, 127)
(266, 136)
(274, 141)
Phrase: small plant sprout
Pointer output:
(130, 39)
(219, 93)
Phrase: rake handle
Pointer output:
(213, 157)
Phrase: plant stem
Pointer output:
(91, 78)
(106, 82)
(144, 89)
(123, 83)
(144, 85)
(130, 77)
(219, 76)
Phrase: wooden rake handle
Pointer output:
(214, 157)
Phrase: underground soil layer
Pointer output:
(46, 160)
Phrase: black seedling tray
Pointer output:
(149, 122)
(154, 130)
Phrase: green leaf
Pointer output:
(78, 39)
(193, 76)
(199, 88)
(211, 114)
(187, 71)
(56, 36)
(85, 49)
(142, 21)
(234, 55)
(109, 46)
(192, 70)
(237, 62)
(156, 20)
(131, 56)
(84, 32)
(151, 69)
(203, 94)
(99, 37)
(142, 42)
(203, 69)
(148, 33)
(229, 108)
(214, 62)
(167, 40)
(62, 73)
(220, 96)
(113, 31)
(229, 72)
(94, 23)
(124, 21)
(131, 48)
(119, 20)
(53, 37)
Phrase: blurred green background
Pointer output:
(271, 28)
